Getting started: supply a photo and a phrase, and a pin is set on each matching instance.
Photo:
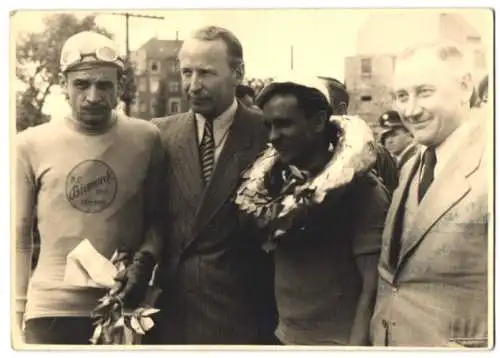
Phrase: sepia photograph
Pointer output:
(260, 178)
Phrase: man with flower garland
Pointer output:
(326, 249)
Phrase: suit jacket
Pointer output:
(217, 281)
(435, 293)
(407, 154)
(386, 168)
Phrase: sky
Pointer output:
(323, 37)
(266, 35)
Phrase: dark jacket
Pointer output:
(386, 168)
(407, 154)
(217, 281)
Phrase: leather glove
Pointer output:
(132, 282)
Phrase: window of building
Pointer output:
(142, 106)
(474, 39)
(142, 86)
(152, 105)
(366, 66)
(366, 98)
(479, 60)
(174, 105)
(134, 107)
(154, 83)
(154, 66)
(174, 86)
(174, 67)
(139, 59)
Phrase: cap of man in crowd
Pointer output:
(396, 138)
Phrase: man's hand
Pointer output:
(132, 282)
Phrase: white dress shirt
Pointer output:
(446, 149)
(222, 124)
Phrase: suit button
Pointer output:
(393, 323)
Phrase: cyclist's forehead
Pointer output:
(93, 73)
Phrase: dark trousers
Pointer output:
(59, 330)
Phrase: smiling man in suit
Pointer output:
(217, 282)
(433, 270)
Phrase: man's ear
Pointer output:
(320, 120)
(63, 83)
(239, 73)
(343, 107)
(120, 86)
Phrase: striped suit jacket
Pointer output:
(216, 281)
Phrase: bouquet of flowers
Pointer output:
(353, 154)
(115, 324)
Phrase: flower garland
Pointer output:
(116, 325)
(353, 154)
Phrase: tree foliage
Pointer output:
(37, 64)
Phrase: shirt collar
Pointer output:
(406, 150)
(449, 146)
(223, 120)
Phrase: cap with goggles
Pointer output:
(89, 48)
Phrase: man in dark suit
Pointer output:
(396, 138)
(217, 282)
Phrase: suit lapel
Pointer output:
(227, 171)
(393, 227)
(186, 163)
(448, 189)
(410, 152)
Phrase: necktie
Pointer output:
(207, 151)
(429, 163)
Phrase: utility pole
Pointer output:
(127, 44)
(291, 57)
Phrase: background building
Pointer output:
(368, 74)
(156, 62)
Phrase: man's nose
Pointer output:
(274, 135)
(195, 83)
(93, 94)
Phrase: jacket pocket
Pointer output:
(469, 332)
(468, 342)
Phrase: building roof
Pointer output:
(161, 49)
